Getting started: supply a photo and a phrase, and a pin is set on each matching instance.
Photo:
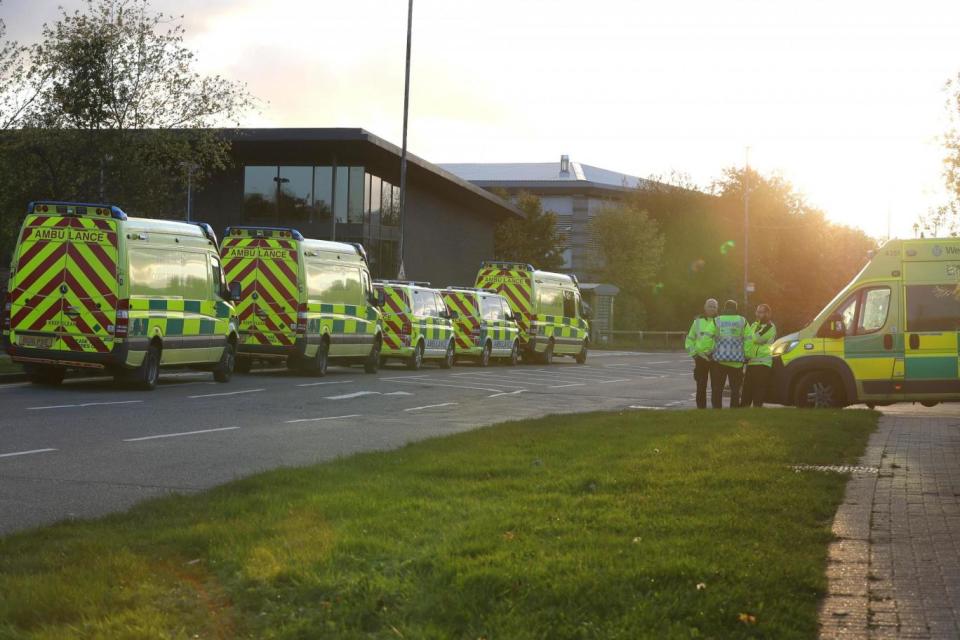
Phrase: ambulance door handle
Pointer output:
(914, 341)
(888, 342)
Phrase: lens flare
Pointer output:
(727, 247)
(698, 265)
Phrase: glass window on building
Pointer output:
(341, 192)
(259, 193)
(295, 195)
(367, 196)
(375, 200)
(355, 201)
(323, 192)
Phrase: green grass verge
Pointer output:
(9, 366)
(629, 525)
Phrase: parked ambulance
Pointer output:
(93, 289)
(548, 307)
(308, 302)
(891, 335)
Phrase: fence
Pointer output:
(651, 340)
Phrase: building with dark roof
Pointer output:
(343, 184)
(574, 191)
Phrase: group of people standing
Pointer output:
(722, 346)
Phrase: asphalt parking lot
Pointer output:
(88, 448)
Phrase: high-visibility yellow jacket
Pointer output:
(729, 348)
(758, 339)
(701, 338)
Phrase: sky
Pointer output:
(844, 99)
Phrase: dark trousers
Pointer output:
(701, 374)
(719, 374)
(755, 385)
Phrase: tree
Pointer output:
(534, 239)
(117, 113)
(630, 250)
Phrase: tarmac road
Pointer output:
(87, 448)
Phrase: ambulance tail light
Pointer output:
(302, 319)
(406, 332)
(123, 318)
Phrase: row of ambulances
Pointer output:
(94, 289)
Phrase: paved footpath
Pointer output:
(894, 571)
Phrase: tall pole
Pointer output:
(189, 192)
(403, 154)
(746, 232)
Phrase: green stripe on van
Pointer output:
(931, 368)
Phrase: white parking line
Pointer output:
(228, 393)
(572, 384)
(318, 384)
(24, 453)
(352, 415)
(85, 404)
(645, 407)
(508, 393)
(355, 394)
(612, 381)
(432, 406)
(438, 384)
(182, 433)
(404, 378)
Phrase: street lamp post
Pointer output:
(746, 232)
(280, 182)
(191, 167)
(403, 153)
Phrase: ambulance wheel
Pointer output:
(929, 403)
(147, 375)
(514, 358)
(819, 390)
(449, 357)
(485, 355)
(228, 362)
(582, 356)
(373, 362)
(243, 364)
(50, 376)
(415, 361)
(547, 357)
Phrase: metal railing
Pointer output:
(654, 340)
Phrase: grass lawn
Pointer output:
(629, 525)
(9, 366)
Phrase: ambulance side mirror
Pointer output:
(381, 297)
(833, 327)
(235, 291)
(373, 299)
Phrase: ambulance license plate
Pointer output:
(36, 342)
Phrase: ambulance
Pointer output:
(889, 336)
(484, 325)
(548, 307)
(416, 324)
(93, 289)
(307, 302)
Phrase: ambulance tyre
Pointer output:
(228, 362)
(547, 357)
(929, 403)
(146, 376)
(819, 390)
(450, 356)
(244, 364)
(582, 356)
(514, 357)
(415, 361)
(374, 361)
(318, 366)
(50, 376)
(485, 355)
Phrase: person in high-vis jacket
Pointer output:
(700, 345)
(758, 340)
(728, 356)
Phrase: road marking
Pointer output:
(507, 393)
(612, 381)
(228, 393)
(24, 453)
(352, 415)
(317, 384)
(404, 377)
(397, 393)
(182, 433)
(355, 394)
(572, 384)
(85, 404)
(454, 386)
(432, 406)
(645, 407)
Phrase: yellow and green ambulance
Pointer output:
(93, 289)
(309, 302)
(548, 307)
(416, 324)
(484, 325)
(891, 335)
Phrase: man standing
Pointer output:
(728, 357)
(757, 342)
(700, 344)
